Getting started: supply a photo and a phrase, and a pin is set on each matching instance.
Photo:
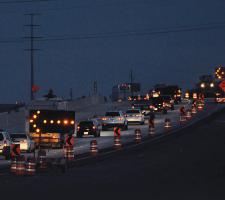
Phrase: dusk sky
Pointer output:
(163, 41)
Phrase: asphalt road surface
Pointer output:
(187, 165)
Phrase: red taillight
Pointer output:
(78, 128)
(94, 127)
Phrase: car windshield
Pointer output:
(86, 123)
(133, 112)
(18, 136)
(112, 114)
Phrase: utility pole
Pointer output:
(32, 50)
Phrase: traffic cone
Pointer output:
(167, 123)
(138, 135)
(94, 147)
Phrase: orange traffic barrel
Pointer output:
(69, 153)
(188, 115)
(167, 123)
(42, 160)
(13, 165)
(117, 142)
(138, 135)
(31, 166)
(193, 110)
(151, 130)
(93, 147)
(151, 126)
(20, 166)
(183, 119)
(200, 106)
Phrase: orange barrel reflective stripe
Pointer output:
(31, 166)
(69, 153)
(13, 165)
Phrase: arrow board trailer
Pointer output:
(49, 127)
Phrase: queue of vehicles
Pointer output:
(48, 127)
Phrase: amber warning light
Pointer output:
(52, 121)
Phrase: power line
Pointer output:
(132, 33)
(24, 1)
(128, 33)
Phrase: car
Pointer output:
(88, 127)
(114, 119)
(143, 105)
(25, 142)
(168, 102)
(157, 105)
(135, 116)
(5, 143)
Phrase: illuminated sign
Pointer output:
(52, 121)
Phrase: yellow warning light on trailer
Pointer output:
(35, 116)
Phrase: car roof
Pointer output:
(114, 111)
